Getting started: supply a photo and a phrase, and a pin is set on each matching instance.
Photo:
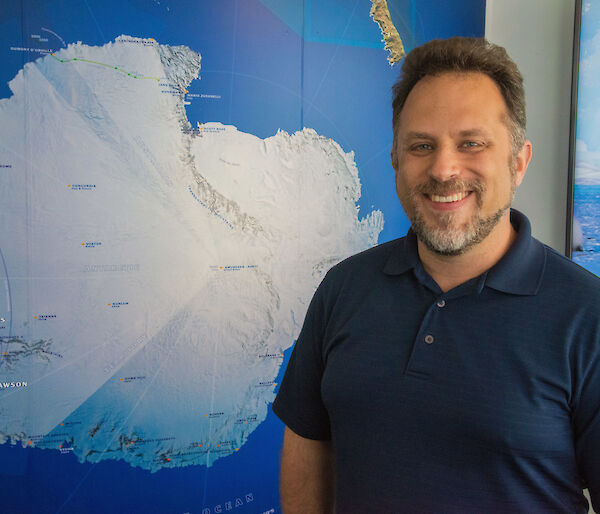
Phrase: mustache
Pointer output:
(449, 187)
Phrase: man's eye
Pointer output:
(421, 147)
(471, 144)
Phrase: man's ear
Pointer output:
(522, 160)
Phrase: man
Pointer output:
(457, 369)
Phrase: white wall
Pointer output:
(538, 35)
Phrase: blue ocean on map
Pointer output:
(262, 70)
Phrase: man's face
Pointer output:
(455, 169)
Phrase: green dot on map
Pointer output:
(116, 68)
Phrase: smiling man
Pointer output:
(449, 370)
(456, 171)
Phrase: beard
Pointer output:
(446, 236)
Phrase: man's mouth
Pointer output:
(449, 198)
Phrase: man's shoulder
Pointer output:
(565, 274)
(372, 259)
(363, 269)
(350, 281)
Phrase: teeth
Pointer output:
(448, 199)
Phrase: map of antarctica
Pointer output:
(184, 257)
(176, 178)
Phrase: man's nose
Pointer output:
(445, 163)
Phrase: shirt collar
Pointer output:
(405, 255)
(519, 272)
(521, 269)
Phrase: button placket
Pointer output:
(424, 355)
(429, 338)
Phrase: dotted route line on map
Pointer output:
(132, 75)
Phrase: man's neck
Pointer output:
(451, 271)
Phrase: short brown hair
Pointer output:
(465, 55)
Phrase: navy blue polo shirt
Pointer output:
(485, 398)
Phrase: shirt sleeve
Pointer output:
(299, 403)
(586, 421)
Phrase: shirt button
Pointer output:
(441, 303)
(429, 339)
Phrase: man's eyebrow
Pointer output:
(471, 132)
(416, 135)
(477, 131)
